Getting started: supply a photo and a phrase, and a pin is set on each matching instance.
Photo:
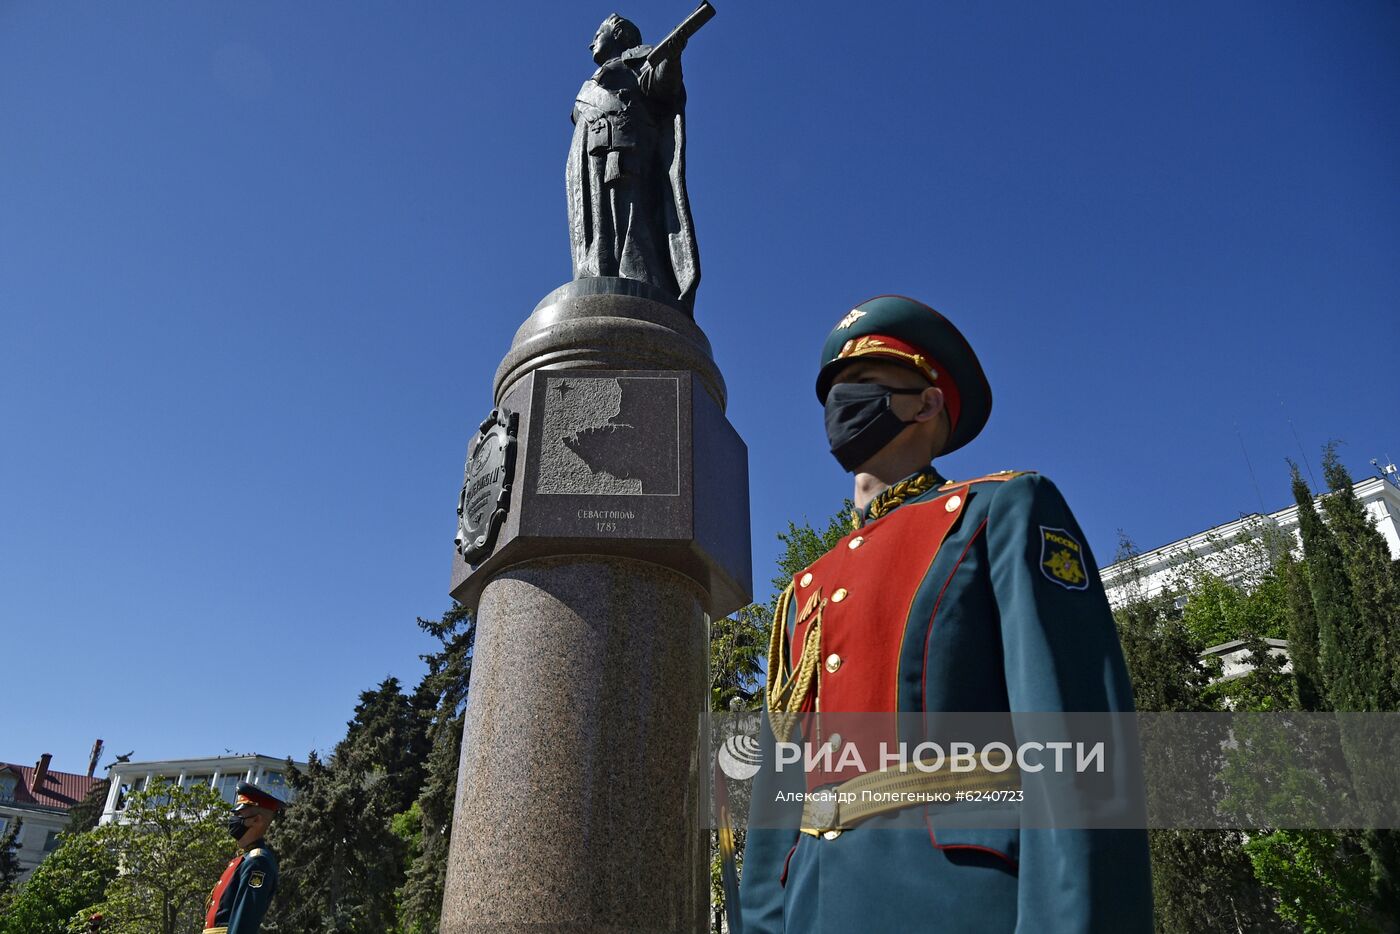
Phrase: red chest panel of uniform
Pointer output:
(211, 913)
(867, 584)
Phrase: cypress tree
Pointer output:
(1331, 599)
(446, 683)
(1302, 635)
(9, 859)
(389, 737)
(1374, 617)
(1201, 879)
(341, 863)
(1374, 636)
(86, 813)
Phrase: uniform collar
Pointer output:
(891, 498)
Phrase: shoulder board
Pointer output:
(991, 477)
(254, 853)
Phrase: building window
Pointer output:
(162, 797)
(274, 780)
(4, 826)
(194, 781)
(50, 841)
(7, 786)
(228, 787)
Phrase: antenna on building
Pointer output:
(1306, 462)
(1252, 479)
(1388, 471)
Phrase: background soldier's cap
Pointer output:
(902, 330)
(248, 795)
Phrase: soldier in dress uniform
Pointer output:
(948, 596)
(244, 891)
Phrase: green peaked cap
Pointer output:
(933, 347)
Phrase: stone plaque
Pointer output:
(485, 497)
(611, 435)
(609, 455)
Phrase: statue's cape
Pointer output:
(676, 220)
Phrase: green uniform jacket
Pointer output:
(972, 597)
(244, 892)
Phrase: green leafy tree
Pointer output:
(1323, 879)
(738, 646)
(171, 845)
(1219, 611)
(72, 877)
(447, 681)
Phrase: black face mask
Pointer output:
(236, 827)
(859, 421)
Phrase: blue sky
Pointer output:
(258, 263)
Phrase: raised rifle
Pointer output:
(670, 46)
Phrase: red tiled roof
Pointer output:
(59, 790)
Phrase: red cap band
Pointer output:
(257, 800)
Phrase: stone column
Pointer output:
(606, 521)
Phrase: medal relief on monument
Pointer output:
(611, 436)
(485, 497)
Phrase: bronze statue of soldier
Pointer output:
(629, 216)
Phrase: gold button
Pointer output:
(953, 503)
(833, 662)
(855, 543)
(839, 595)
(835, 741)
(806, 579)
(830, 834)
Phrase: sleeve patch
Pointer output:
(255, 880)
(1062, 559)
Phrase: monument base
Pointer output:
(579, 804)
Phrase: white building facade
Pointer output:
(222, 773)
(1240, 552)
(1233, 550)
